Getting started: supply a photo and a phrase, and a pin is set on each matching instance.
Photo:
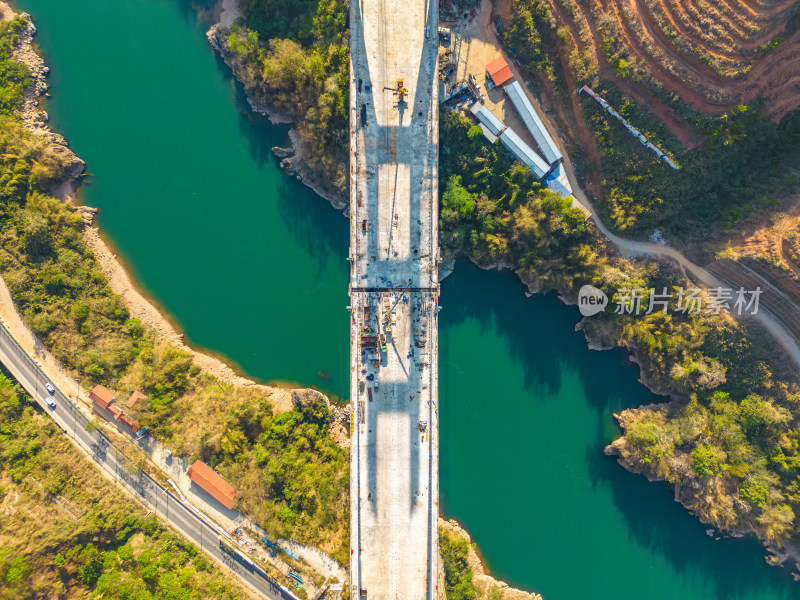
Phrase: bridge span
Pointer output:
(394, 254)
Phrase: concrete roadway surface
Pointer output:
(24, 369)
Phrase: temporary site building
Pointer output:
(491, 125)
(534, 124)
(499, 71)
(525, 153)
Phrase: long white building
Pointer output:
(394, 481)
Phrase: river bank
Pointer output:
(293, 161)
(613, 339)
(35, 120)
(119, 280)
(488, 586)
(32, 116)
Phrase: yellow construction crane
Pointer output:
(400, 91)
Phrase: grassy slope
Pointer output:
(744, 413)
(68, 532)
(732, 443)
(746, 166)
(296, 55)
(64, 298)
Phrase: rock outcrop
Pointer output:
(32, 116)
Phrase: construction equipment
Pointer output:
(400, 91)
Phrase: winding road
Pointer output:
(633, 247)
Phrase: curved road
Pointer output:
(777, 329)
(632, 247)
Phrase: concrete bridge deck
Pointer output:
(394, 292)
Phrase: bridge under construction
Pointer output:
(394, 289)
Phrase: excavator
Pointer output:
(400, 91)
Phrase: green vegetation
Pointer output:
(739, 171)
(457, 573)
(279, 18)
(66, 301)
(67, 532)
(733, 443)
(13, 75)
(292, 475)
(293, 478)
(493, 211)
(302, 74)
(529, 32)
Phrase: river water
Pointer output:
(251, 265)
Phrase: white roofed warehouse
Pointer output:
(534, 124)
(525, 153)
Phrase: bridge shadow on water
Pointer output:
(541, 339)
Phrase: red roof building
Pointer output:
(132, 423)
(115, 411)
(136, 396)
(101, 396)
(205, 477)
(499, 71)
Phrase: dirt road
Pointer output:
(632, 247)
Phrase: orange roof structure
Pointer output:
(101, 396)
(499, 70)
(135, 397)
(115, 410)
(204, 476)
(132, 423)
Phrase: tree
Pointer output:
(91, 564)
(777, 522)
(708, 461)
(753, 492)
(37, 239)
(457, 572)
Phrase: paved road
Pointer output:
(635, 247)
(181, 517)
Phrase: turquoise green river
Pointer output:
(250, 264)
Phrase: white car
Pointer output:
(50, 402)
(50, 388)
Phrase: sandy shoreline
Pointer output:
(152, 317)
(120, 281)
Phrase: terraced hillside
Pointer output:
(714, 54)
(714, 83)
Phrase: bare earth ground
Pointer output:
(479, 48)
(770, 239)
(727, 34)
(141, 308)
(229, 11)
